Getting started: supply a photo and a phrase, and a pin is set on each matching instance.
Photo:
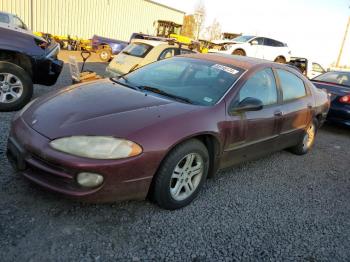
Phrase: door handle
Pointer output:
(278, 113)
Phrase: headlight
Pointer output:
(97, 147)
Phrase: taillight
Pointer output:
(345, 99)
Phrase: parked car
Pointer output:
(161, 130)
(142, 52)
(106, 47)
(337, 85)
(25, 59)
(256, 46)
(307, 67)
(12, 21)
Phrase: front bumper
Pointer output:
(47, 68)
(30, 154)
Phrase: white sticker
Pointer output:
(225, 68)
(207, 99)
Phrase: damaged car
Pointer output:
(25, 59)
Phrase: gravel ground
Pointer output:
(280, 208)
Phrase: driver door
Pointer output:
(254, 133)
(257, 47)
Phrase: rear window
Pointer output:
(341, 78)
(137, 49)
(4, 18)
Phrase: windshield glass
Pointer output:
(341, 78)
(197, 81)
(243, 38)
(137, 49)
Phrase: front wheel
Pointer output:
(308, 139)
(16, 87)
(239, 52)
(280, 60)
(181, 175)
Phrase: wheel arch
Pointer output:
(17, 58)
(240, 49)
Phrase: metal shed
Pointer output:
(84, 18)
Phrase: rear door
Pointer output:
(295, 108)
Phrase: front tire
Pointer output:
(239, 52)
(307, 141)
(280, 60)
(181, 175)
(16, 87)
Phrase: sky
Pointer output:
(311, 28)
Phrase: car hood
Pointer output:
(99, 108)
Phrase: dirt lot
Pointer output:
(281, 208)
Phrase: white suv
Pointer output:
(256, 46)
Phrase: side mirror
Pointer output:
(254, 42)
(248, 104)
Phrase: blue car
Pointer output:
(337, 85)
(106, 47)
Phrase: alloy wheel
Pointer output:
(11, 88)
(186, 176)
(309, 136)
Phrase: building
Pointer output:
(84, 18)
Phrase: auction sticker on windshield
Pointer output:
(225, 68)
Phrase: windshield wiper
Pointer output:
(163, 93)
(123, 84)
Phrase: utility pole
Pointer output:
(343, 43)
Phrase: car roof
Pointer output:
(243, 62)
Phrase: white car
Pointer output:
(307, 67)
(13, 22)
(256, 46)
(142, 52)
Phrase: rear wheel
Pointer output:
(105, 54)
(308, 139)
(239, 52)
(181, 175)
(16, 87)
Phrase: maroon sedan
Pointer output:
(161, 130)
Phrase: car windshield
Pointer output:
(243, 38)
(190, 80)
(137, 49)
(341, 78)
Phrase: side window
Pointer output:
(292, 86)
(271, 42)
(167, 53)
(18, 23)
(260, 40)
(317, 68)
(4, 18)
(262, 86)
(185, 51)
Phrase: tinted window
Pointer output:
(167, 53)
(137, 49)
(292, 86)
(185, 51)
(271, 42)
(342, 78)
(202, 82)
(262, 86)
(4, 18)
(260, 40)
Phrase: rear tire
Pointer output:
(16, 87)
(181, 175)
(105, 54)
(307, 141)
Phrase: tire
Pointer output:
(170, 192)
(14, 80)
(239, 52)
(280, 60)
(105, 54)
(305, 145)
